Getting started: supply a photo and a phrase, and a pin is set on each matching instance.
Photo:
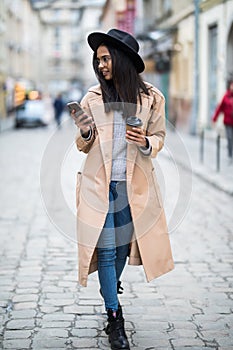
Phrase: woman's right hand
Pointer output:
(83, 121)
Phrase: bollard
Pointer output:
(202, 146)
(218, 153)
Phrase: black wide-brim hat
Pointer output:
(122, 41)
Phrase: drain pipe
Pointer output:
(193, 125)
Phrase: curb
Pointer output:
(204, 177)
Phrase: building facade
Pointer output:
(68, 58)
(215, 55)
(188, 48)
(119, 14)
(21, 54)
(167, 36)
(3, 56)
(43, 46)
(61, 47)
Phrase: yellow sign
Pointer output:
(19, 94)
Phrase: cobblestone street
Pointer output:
(41, 304)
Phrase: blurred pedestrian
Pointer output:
(58, 109)
(226, 107)
(119, 206)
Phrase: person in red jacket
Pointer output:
(226, 107)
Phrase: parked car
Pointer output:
(31, 113)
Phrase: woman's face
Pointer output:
(104, 62)
(231, 86)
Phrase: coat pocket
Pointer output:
(78, 185)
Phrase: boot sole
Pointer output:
(118, 348)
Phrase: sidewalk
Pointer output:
(7, 123)
(185, 149)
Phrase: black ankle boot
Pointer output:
(107, 328)
(116, 330)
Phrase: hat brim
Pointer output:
(97, 38)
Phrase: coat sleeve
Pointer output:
(156, 124)
(85, 144)
(218, 110)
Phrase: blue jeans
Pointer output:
(113, 244)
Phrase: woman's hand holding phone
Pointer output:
(83, 121)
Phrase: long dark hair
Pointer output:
(126, 85)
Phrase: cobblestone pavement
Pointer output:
(41, 304)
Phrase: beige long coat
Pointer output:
(150, 245)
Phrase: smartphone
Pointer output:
(75, 106)
(79, 111)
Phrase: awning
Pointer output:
(160, 40)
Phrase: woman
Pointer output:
(226, 107)
(119, 208)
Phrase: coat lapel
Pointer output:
(104, 125)
(143, 112)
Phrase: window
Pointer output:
(57, 32)
(166, 6)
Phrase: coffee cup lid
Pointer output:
(133, 121)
